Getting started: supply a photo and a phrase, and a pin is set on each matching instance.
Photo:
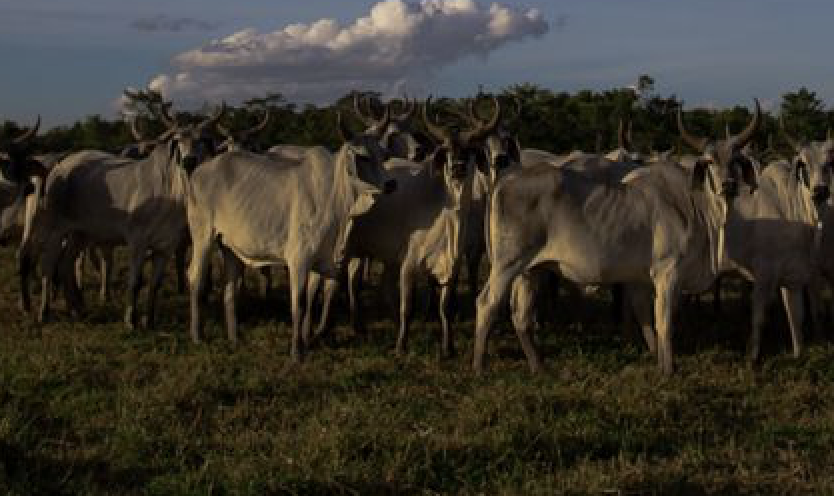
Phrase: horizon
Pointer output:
(71, 61)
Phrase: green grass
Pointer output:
(90, 408)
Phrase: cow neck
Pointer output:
(332, 220)
(455, 218)
(173, 177)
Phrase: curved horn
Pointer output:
(29, 133)
(380, 125)
(409, 108)
(164, 115)
(622, 140)
(258, 127)
(214, 118)
(224, 131)
(357, 108)
(438, 132)
(134, 129)
(485, 128)
(790, 139)
(745, 136)
(345, 133)
(692, 140)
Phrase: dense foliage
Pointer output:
(550, 120)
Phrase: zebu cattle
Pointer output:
(93, 197)
(262, 211)
(660, 230)
(18, 167)
(811, 168)
(421, 228)
(399, 137)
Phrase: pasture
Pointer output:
(91, 408)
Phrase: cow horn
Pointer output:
(224, 131)
(790, 139)
(165, 116)
(29, 133)
(345, 133)
(258, 127)
(746, 135)
(693, 141)
(134, 129)
(828, 135)
(214, 118)
(409, 108)
(440, 133)
(484, 128)
(622, 139)
(357, 108)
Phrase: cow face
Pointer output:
(812, 167)
(16, 162)
(503, 153)
(723, 166)
(363, 157)
(189, 144)
(456, 161)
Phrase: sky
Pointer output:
(68, 59)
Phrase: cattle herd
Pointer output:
(422, 191)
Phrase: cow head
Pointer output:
(17, 165)
(722, 165)
(242, 140)
(189, 144)
(813, 165)
(399, 136)
(363, 156)
(460, 153)
(500, 145)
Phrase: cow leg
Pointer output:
(233, 271)
(198, 282)
(105, 266)
(80, 261)
(763, 292)
(473, 266)
(49, 261)
(716, 296)
(446, 293)
(492, 296)
(406, 306)
(666, 299)
(795, 310)
(640, 299)
(134, 285)
(67, 276)
(355, 269)
(265, 281)
(180, 257)
(299, 274)
(523, 301)
(158, 262)
(314, 283)
(330, 287)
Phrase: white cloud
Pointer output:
(398, 43)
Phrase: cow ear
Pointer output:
(438, 161)
(514, 150)
(700, 175)
(481, 160)
(173, 150)
(749, 173)
(800, 171)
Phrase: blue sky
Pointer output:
(70, 58)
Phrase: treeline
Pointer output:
(548, 120)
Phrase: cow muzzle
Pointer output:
(729, 188)
(189, 163)
(820, 194)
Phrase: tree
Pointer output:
(804, 114)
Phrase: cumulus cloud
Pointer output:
(165, 23)
(397, 43)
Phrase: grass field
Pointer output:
(90, 408)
